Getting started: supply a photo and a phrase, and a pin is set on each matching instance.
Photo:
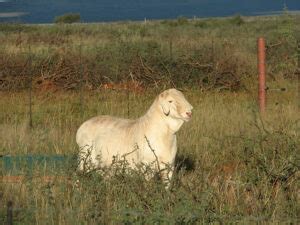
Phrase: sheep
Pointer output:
(150, 138)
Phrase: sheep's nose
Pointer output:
(189, 114)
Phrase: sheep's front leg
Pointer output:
(166, 173)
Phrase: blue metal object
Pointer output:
(29, 164)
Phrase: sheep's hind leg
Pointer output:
(86, 158)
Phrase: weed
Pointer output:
(206, 53)
(233, 168)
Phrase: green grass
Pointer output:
(218, 53)
(234, 165)
(240, 167)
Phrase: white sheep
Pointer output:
(150, 139)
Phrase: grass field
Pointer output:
(207, 53)
(239, 167)
(234, 165)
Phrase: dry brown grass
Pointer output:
(239, 167)
(233, 164)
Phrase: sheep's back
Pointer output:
(100, 126)
(109, 135)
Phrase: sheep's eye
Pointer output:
(170, 101)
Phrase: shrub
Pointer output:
(237, 20)
(181, 20)
(68, 18)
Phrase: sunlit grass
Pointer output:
(181, 51)
(234, 165)
(241, 167)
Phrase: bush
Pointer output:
(237, 20)
(181, 20)
(68, 18)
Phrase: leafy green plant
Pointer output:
(237, 20)
(68, 18)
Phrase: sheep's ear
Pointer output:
(166, 109)
(164, 94)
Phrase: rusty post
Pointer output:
(261, 65)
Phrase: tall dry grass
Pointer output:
(233, 164)
(207, 53)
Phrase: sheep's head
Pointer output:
(173, 104)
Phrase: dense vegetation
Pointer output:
(207, 53)
(234, 164)
(68, 18)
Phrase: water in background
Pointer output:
(44, 11)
